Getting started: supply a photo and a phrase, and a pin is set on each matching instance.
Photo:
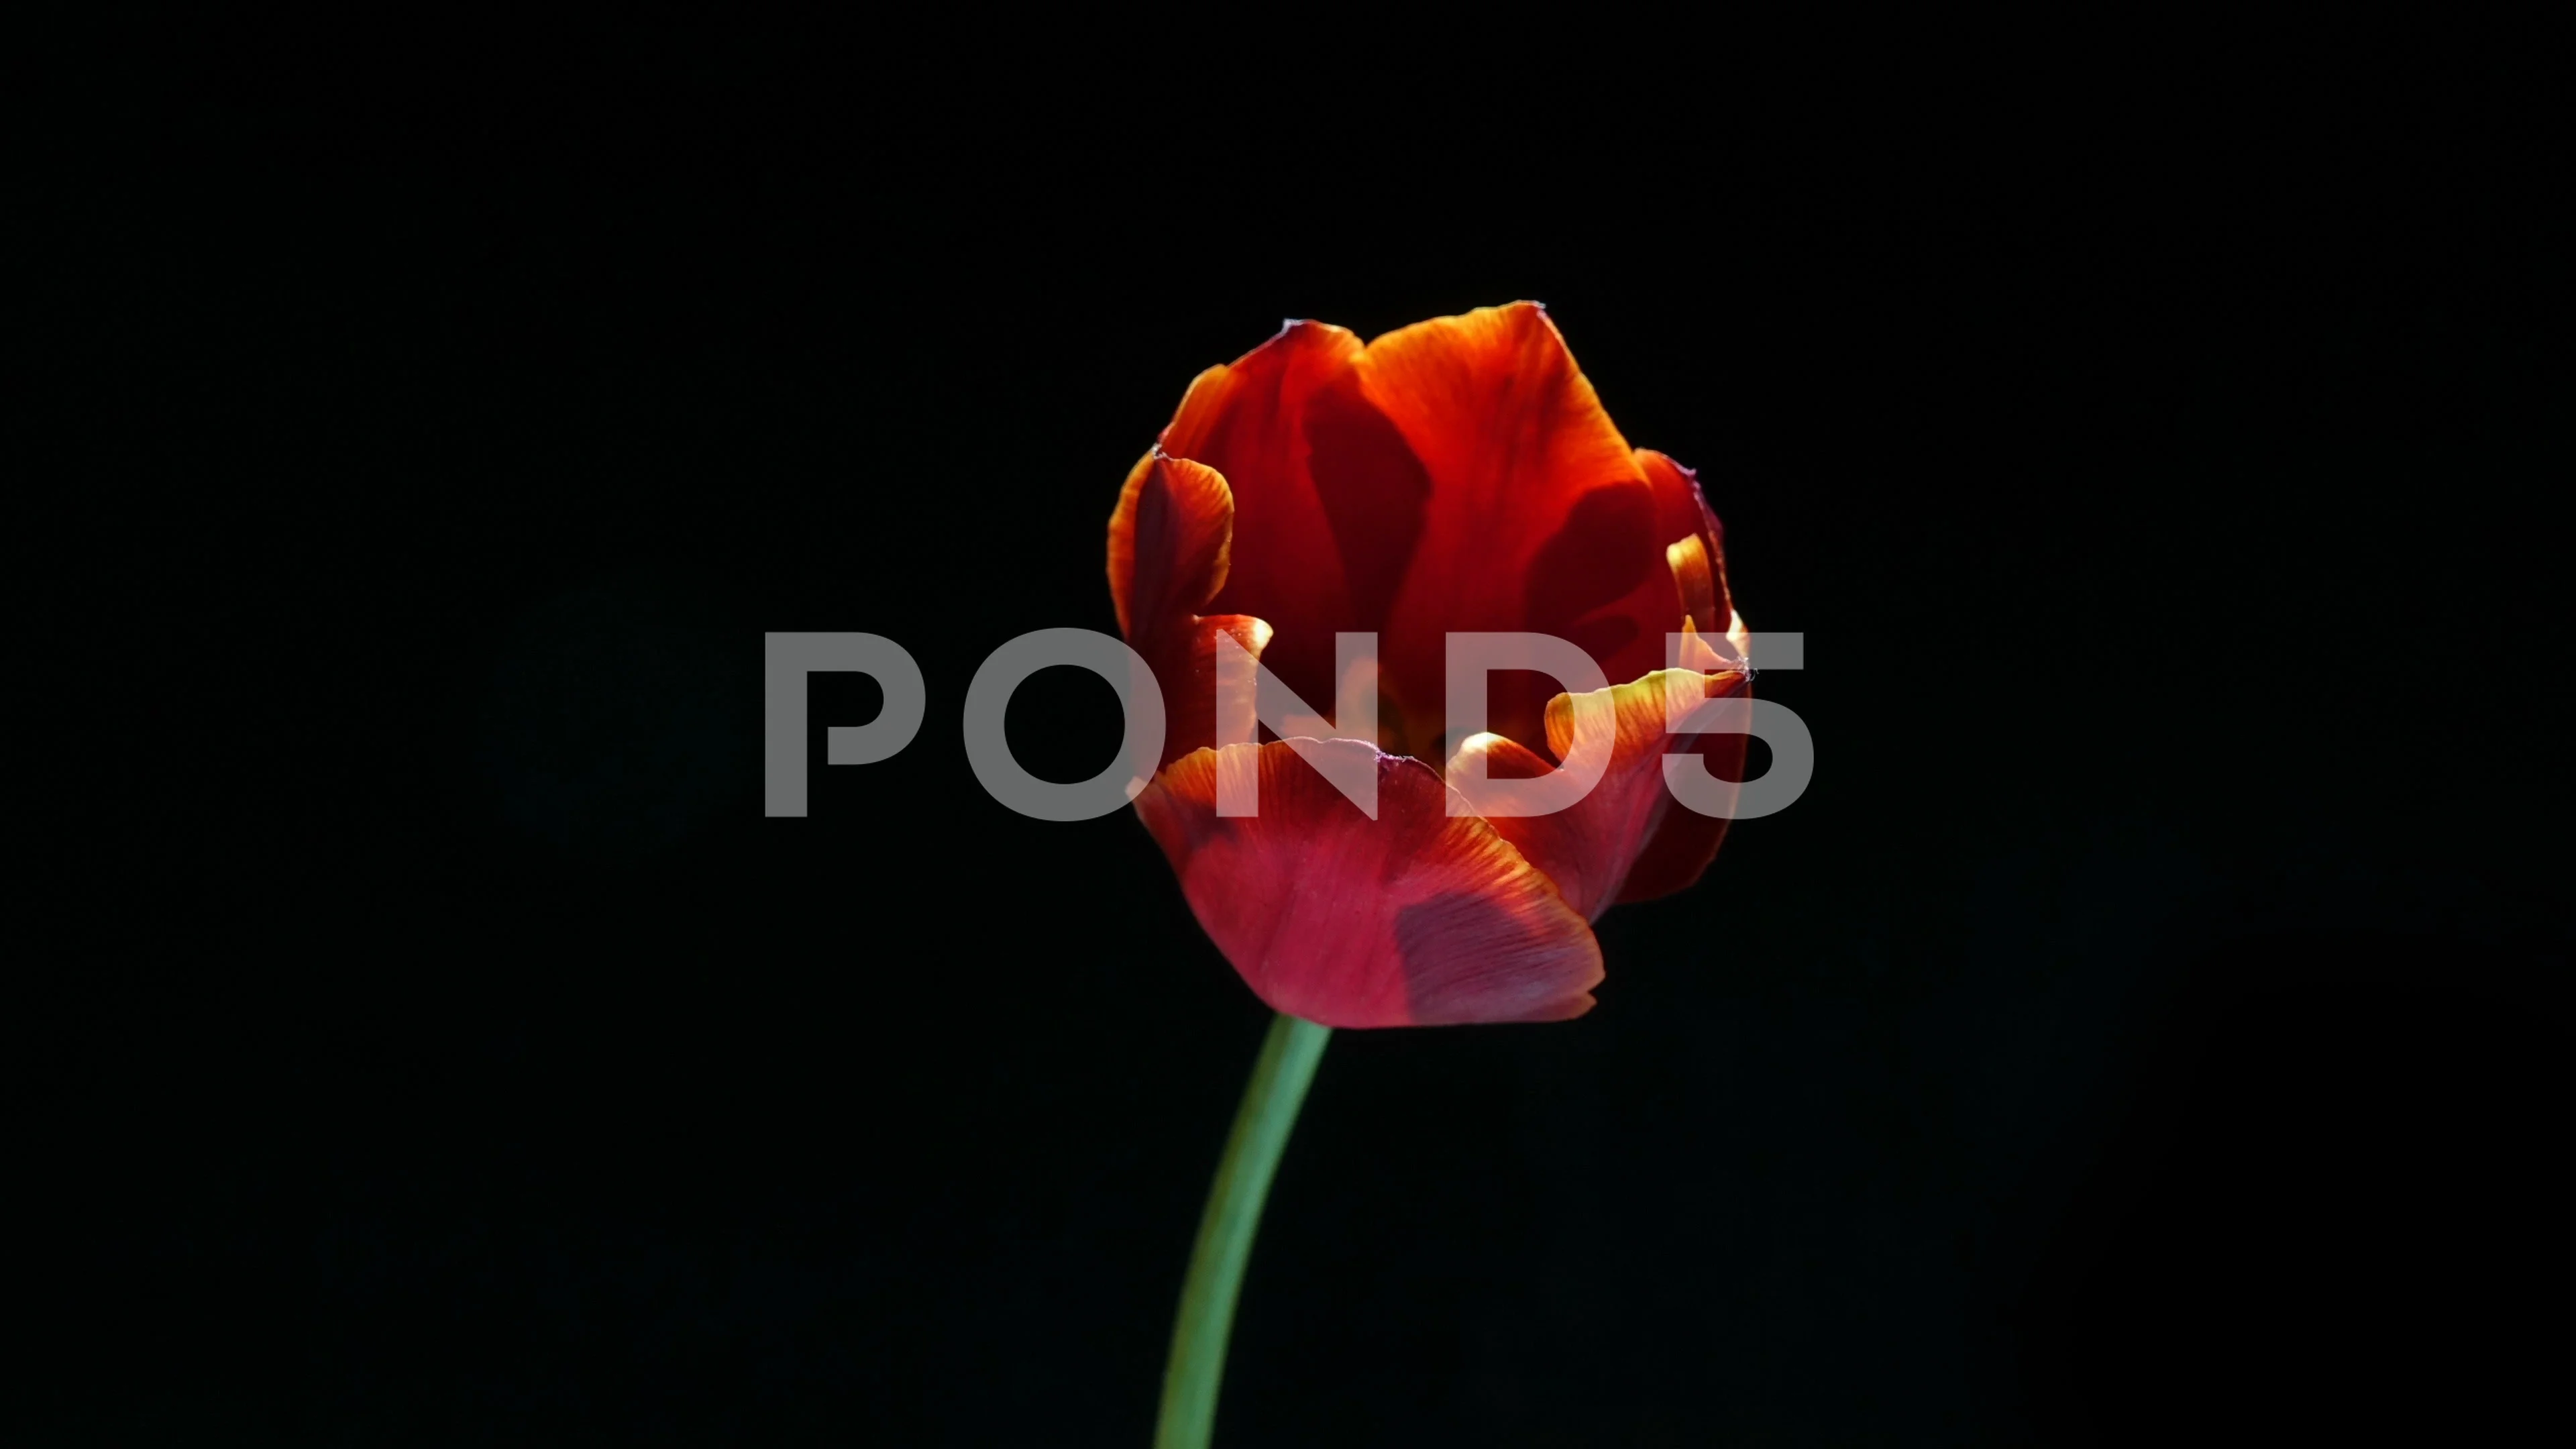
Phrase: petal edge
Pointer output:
(1418, 918)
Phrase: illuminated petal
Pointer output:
(1700, 587)
(1416, 918)
(1591, 848)
(1539, 516)
(1685, 841)
(1682, 515)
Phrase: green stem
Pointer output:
(1261, 1126)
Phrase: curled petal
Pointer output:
(1684, 841)
(1683, 517)
(1591, 848)
(1169, 542)
(1416, 918)
(1169, 548)
(1702, 591)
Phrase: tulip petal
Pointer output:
(1682, 513)
(1300, 549)
(1685, 841)
(1185, 668)
(1539, 516)
(1416, 918)
(1591, 848)
(1169, 545)
(1169, 541)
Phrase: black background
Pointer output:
(2147, 1020)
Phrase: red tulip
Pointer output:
(1455, 475)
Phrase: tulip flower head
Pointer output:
(1457, 477)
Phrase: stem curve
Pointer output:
(1280, 1076)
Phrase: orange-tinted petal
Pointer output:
(1416, 918)
(1538, 518)
(1682, 512)
(1591, 848)
(1685, 841)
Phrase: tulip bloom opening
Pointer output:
(1457, 476)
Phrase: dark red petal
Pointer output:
(1591, 848)
(1248, 421)
(1168, 549)
(1538, 518)
(1416, 918)
(1169, 541)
